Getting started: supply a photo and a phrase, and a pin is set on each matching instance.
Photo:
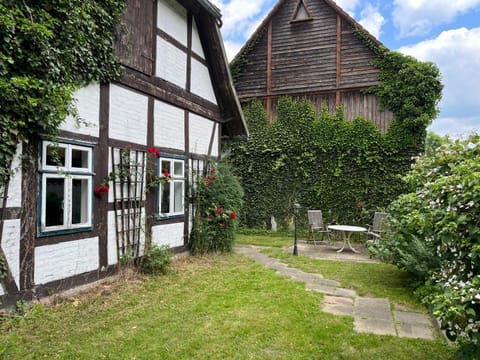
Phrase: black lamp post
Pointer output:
(296, 209)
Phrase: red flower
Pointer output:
(232, 215)
(223, 225)
(154, 151)
(213, 178)
(219, 210)
(100, 190)
(212, 171)
(166, 173)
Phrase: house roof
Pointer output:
(331, 3)
(208, 20)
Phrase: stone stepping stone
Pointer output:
(337, 305)
(372, 315)
(414, 325)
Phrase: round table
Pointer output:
(347, 231)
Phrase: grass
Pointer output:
(212, 307)
(368, 279)
(264, 240)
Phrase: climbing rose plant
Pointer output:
(217, 198)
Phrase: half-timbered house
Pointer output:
(307, 49)
(60, 223)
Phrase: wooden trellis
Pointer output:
(128, 172)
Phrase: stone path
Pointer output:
(370, 315)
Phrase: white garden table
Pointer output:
(347, 231)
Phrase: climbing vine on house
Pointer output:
(409, 88)
(242, 58)
(48, 49)
(346, 168)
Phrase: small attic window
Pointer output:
(301, 12)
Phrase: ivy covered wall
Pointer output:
(348, 169)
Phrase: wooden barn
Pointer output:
(60, 225)
(307, 49)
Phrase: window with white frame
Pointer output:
(66, 187)
(172, 186)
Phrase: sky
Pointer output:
(446, 32)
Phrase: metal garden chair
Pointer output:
(316, 225)
(374, 231)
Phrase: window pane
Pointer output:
(80, 201)
(80, 158)
(178, 200)
(55, 155)
(165, 167)
(54, 202)
(178, 168)
(165, 198)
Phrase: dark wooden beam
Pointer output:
(338, 98)
(169, 93)
(269, 71)
(101, 171)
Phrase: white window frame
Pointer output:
(176, 179)
(68, 173)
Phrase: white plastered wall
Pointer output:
(15, 184)
(172, 19)
(128, 115)
(87, 103)
(11, 246)
(201, 81)
(169, 129)
(171, 235)
(196, 42)
(171, 63)
(112, 239)
(59, 261)
(200, 135)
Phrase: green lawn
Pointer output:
(213, 307)
(373, 279)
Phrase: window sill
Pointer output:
(169, 219)
(45, 234)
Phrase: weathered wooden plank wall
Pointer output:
(304, 53)
(356, 61)
(134, 44)
(354, 103)
(254, 73)
(319, 59)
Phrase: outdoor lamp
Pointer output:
(296, 209)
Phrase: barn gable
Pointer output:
(308, 49)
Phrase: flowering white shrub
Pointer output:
(435, 235)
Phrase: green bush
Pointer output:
(156, 260)
(435, 233)
(217, 199)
